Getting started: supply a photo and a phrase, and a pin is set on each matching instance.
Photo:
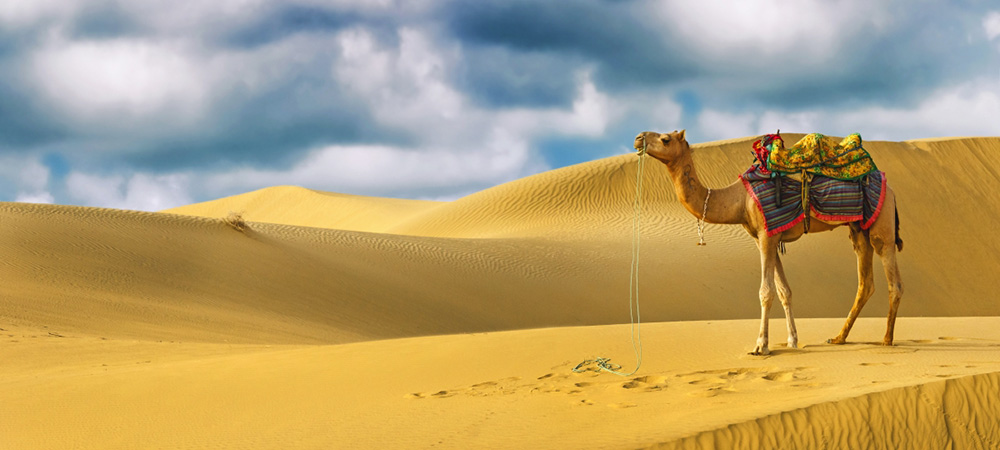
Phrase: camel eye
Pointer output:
(665, 140)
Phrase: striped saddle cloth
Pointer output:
(780, 198)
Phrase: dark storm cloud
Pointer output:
(285, 20)
(499, 77)
(919, 48)
(273, 130)
(919, 51)
(23, 125)
(625, 50)
(101, 20)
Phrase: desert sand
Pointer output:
(340, 321)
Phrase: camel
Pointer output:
(733, 205)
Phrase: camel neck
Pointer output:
(690, 191)
(725, 205)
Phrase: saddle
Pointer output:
(815, 155)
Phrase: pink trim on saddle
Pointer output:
(770, 232)
(832, 218)
(878, 209)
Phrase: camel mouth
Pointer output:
(640, 142)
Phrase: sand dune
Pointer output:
(697, 389)
(338, 317)
(293, 205)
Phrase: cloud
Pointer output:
(717, 125)
(26, 13)
(379, 170)
(190, 100)
(28, 177)
(139, 191)
(35, 197)
(405, 87)
(121, 83)
(991, 25)
(969, 109)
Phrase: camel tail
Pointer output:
(899, 241)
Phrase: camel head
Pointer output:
(666, 147)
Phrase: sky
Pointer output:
(152, 104)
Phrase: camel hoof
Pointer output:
(836, 341)
(887, 343)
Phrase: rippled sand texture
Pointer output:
(339, 321)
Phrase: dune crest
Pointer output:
(293, 205)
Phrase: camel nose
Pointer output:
(640, 141)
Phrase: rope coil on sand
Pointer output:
(603, 363)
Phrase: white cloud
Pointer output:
(35, 197)
(991, 25)
(25, 12)
(28, 177)
(140, 191)
(120, 82)
(795, 122)
(405, 87)
(409, 88)
(970, 109)
(717, 125)
(812, 30)
(380, 170)
(33, 175)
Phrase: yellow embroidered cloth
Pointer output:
(818, 154)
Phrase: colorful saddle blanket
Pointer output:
(830, 199)
(817, 154)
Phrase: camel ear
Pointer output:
(681, 134)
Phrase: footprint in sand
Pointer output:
(711, 392)
(647, 383)
(869, 364)
(505, 386)
(780, 376)
(734, 380)
(625, 405)
(890, 350)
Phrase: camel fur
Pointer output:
(733, 205)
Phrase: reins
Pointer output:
(603, 363)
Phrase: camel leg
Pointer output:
(883, 239)
(863, 250)
(785, 295)
(887, 252)
(768, 257)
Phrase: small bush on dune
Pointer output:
(235, 221)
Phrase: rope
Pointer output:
(635, 321)
(701, 220)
